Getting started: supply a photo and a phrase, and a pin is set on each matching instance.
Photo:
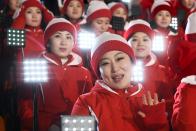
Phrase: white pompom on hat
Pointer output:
(97, 9)
(190, 31)
(108, 42)
(59, 24)
(138, 25)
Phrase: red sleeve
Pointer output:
(156, 119)
(184, 109)
(80, 107)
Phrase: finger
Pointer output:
(142, 114)
(144, 100)
(156, 101)
(149, 98)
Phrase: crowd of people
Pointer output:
(98, 81)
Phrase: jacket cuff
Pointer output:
(155, 115)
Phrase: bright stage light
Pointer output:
(126, 1)
(86, 39)
(78, 123)
(158, 44)
(138, 75)
(35, 71)
(16, 37)
(174, 23)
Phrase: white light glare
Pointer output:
(174, 23)
(35, 70)
(78, 123)
(86, 39)
(158, 44)
(126, 1)
(138, 75)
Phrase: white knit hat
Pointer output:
(138, 25)
(108, 42)
(190, 31)
(159, 5)
(59, 24)
(97, 9)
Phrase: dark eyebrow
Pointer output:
(119, 53)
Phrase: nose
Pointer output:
(63, 41)
(140, 43)
(34, 15)
(114, 67)
(104, 27)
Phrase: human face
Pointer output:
(188, 3)
(13, 4)
(120, 12)
(141, 44)
(100, 25)
(163, 18)
(74, 10)
(116, 68)
(61, 43)
(33, 16)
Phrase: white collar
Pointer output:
(189, 80)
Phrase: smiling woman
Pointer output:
(115, 102)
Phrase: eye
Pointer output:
(71, 5)
(120, 58)
(38, 12)
(145, 39)
(99, 22)
(104, 63)
(57, 36)
(29, 11)
(134, 40)
(69, 37)
(79, 6)
(107, 23)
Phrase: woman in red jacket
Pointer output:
(162, 12)
(140, 36)
(184, 62)
(29, 18)
(114, 101)
(73, 10)
(68, 79)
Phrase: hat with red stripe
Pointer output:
(108, 42)
(66, 3)
(97, 9)
(159, 5)
(138, 26)
(115, 5)
(59, 24)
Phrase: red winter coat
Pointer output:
(116, 110)
(156, 80)
(66, 82)
(184, 115)
(34, 43)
